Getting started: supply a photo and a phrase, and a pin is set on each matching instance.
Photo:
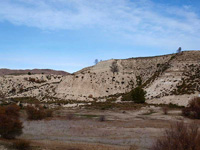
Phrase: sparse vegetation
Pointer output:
(70, 116)
(10, 125)
(21, 144)
(102, 118)
(139, 80)
(165, 110)
(193, 109)
(30, 100)
(179, 137)
(110, 105)
(190, 82)
(114, 67)
(34, 80)
(149, 112)
(38, 113)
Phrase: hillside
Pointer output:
(33, 71)
(173, 78)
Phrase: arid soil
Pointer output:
(83, 129)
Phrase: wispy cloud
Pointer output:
(140, 22)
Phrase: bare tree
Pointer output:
(96, 61)
(114, 67)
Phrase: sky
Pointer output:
(70, 34)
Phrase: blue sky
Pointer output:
(70, 34)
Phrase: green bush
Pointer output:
(127, 97)
(137, 95)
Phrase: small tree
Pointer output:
(114, 67)
(138, 95)
(10, 125)
(179, 50)
(96, 61)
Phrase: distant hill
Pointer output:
(33, 71)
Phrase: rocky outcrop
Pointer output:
(99, 81)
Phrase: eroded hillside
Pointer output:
(169, 78)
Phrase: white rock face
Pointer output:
(37, 85)
(99, 81)
(165, 78)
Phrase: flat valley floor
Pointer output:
(93, 129)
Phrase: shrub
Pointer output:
(102, 118)
(90, 96)
(38, 113)
(179, 137)
(12, 110)
(34, 113)
(70, 116)
(21, 145)
(48, 113)
(127, 97)
(10, 125)
(193, 109)
(138, 95)
(165, 110)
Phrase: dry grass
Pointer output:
(10, 125)
(21, 145)
(193, 109)
(55, 145)
(179, 137)
(38, 113)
